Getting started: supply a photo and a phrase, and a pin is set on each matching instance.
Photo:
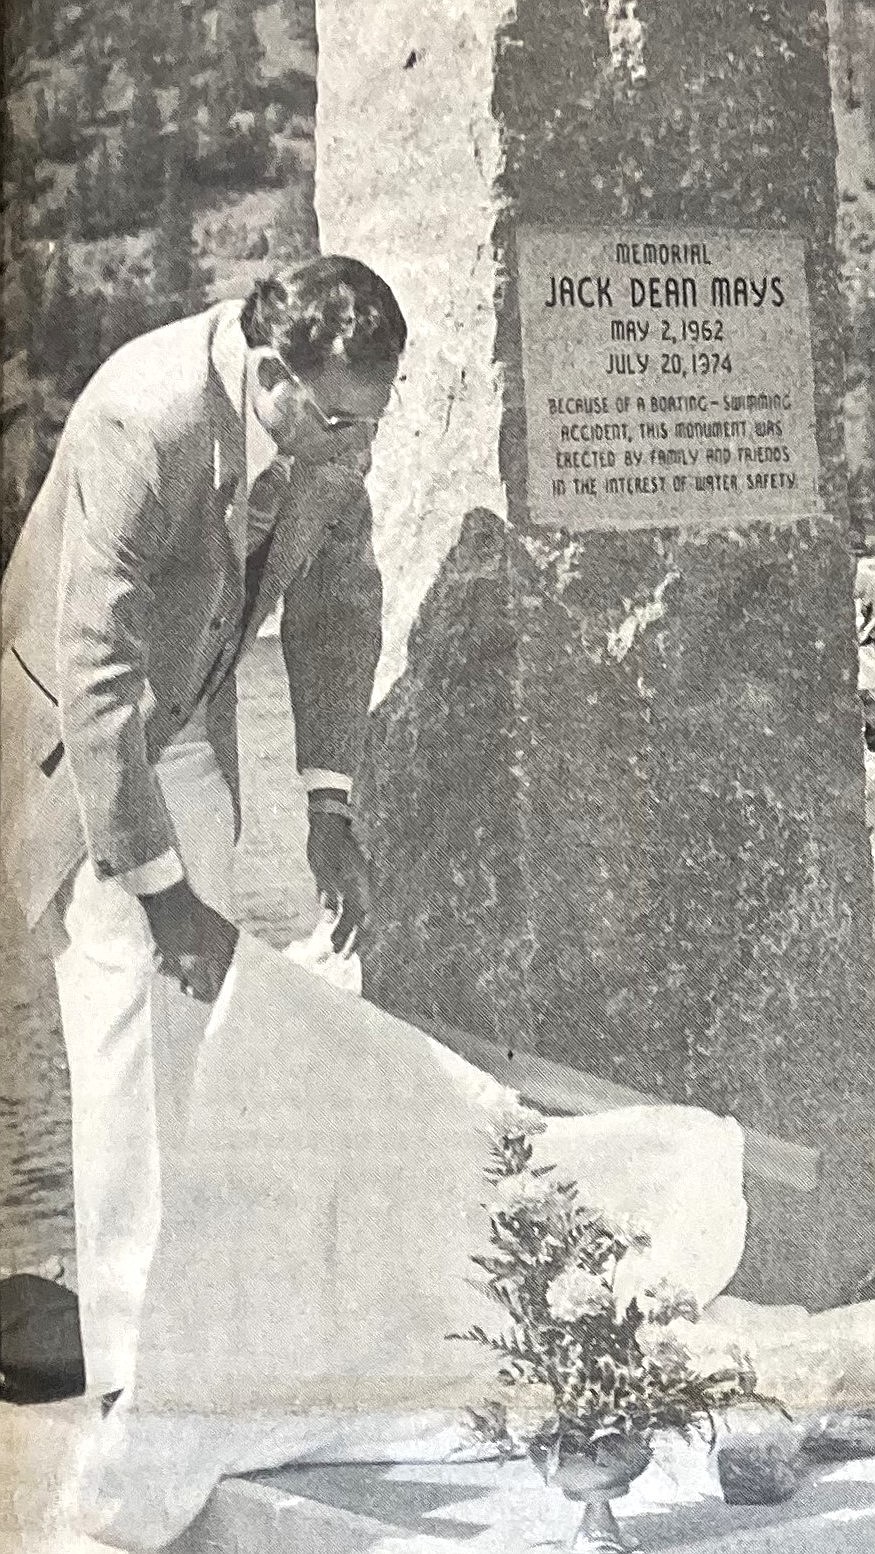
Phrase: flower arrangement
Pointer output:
(589, 1376)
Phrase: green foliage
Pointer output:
(95, 207)
(141, 154)
(61, 135)
(237, 150)
(603, 1371)
(178, 277)
(80, 200)
(94, 73)
(129, 312)
(104, 193)
(59, 340)
(32, 280)
(69, 331)
(40, 117)
(238, 51)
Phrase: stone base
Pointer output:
(488, 1509)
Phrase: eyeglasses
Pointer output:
(339, 421)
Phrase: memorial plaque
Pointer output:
(668, 377)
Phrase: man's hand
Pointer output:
(340, 872)
(195, 945)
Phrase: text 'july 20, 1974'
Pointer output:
(668, 379)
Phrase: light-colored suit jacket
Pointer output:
(126, 603)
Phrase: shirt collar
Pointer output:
(261, 450)
(229, 359)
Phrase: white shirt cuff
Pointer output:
(158, 874)
(316, 777)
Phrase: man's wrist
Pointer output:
(155, 877)
(317, 778)
(170, 893)
(328, 792)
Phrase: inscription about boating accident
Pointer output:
(668, 377)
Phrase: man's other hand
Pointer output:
(194, 944)
(340, 872)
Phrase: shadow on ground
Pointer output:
(377, 1494)
(369, 1491)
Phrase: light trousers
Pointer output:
(132, 1039)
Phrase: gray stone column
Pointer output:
(650, 863)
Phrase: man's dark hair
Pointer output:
(326, 308)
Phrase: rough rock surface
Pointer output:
(612, 861)
(814, 1365)
(407, 150)
(621, 836)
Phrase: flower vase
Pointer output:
(596, 1478)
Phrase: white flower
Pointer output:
(664, 1349)
(664, 1303)
(576, 1293)
(511, 1118)
(627, 1228)
(522, 1191)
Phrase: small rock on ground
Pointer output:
(842, 1437)
(763, 1469)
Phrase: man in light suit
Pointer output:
(208, 470)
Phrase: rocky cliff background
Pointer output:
(155, 157)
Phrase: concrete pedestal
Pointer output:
(614, 790)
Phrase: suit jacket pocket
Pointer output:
(41, 837)
(30, 731)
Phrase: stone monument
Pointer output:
(614, 790)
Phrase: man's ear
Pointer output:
(271, 372)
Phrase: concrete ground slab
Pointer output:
(37, 1450)
(487, 1509)
(460, 1508)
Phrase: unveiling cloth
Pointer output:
(319, 1213)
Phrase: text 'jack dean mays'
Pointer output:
(665, 291)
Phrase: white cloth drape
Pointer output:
(318, 1219)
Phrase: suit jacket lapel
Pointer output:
(229, 445)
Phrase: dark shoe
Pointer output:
(40, 1346)
(108, 1401)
